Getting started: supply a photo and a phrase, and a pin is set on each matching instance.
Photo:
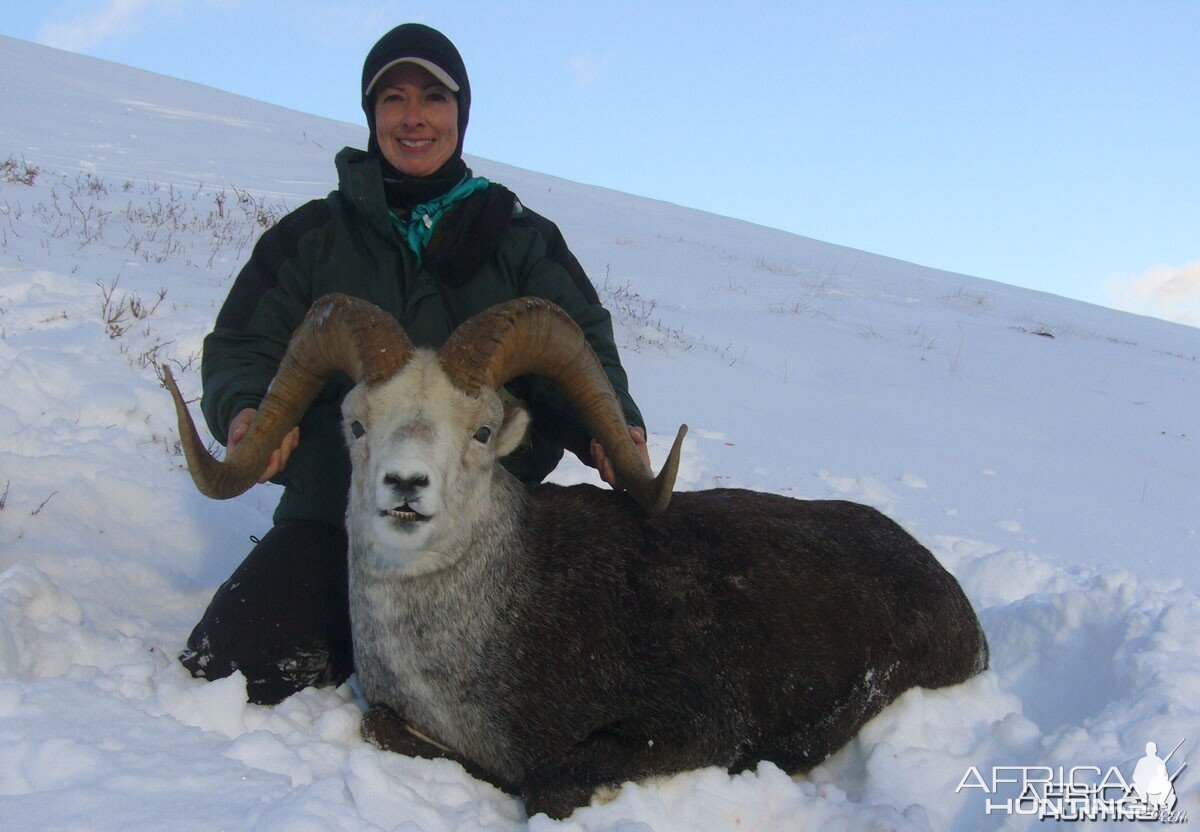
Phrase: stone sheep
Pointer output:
(561, 639)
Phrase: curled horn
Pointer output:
(339, 334)
(530, 335)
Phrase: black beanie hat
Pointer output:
(428, 48)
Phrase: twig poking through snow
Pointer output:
(41, 505)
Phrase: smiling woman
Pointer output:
(410, 229)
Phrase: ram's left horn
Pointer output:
(531, 335)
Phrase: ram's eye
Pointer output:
(356, 427)
(483, 434)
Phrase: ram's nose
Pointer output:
(406, 487)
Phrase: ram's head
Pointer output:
(425, 429)
(423, 453)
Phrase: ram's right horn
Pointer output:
(339, 334)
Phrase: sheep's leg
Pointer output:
(385, 729)
(610, 757)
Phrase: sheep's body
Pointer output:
(580, 642)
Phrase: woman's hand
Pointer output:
(604, 465)
(279, 457)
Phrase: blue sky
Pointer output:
(1045, 144)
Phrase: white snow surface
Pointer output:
(1047, 451)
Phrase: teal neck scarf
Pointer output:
(423, 219)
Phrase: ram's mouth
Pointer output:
(405, 514)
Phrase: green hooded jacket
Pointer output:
(486, 249)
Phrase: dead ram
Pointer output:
(561, 639)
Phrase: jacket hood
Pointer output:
(360, 182)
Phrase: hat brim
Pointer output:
(433, 69)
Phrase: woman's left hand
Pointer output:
(604, 465)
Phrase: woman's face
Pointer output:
(416, 120)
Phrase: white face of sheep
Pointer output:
(423, 454)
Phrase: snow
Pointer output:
(1044, 449)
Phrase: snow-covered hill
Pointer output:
(1046, 450)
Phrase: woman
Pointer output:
(411, 230)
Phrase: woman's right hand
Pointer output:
(279, 457)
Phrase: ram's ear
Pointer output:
(354, 414)
(513, 431)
